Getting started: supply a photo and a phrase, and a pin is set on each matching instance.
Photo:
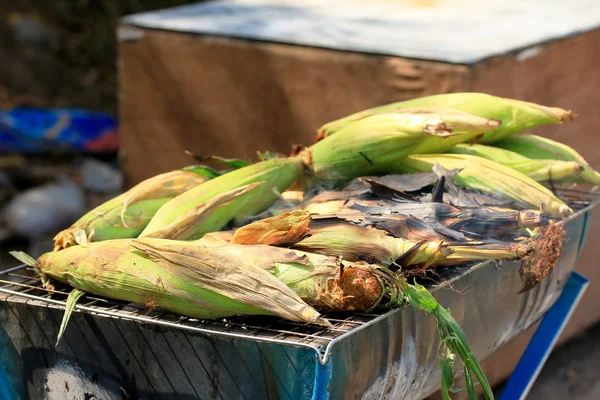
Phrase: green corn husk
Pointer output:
(515, 115)
(538, 170)
(366, 147)
(125, 216)
(453, 337)
(236, 195)
(488, 177)
(537, 147)
(324, 282)
(191, 280)
(465, 127)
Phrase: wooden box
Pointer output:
(233, 77)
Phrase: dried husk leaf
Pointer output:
(282, 230)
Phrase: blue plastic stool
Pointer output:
(541, 344)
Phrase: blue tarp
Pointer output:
(35, 130)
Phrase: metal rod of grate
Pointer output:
(22, 284)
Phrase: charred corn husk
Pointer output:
(125, 216)
(537, 147)
(356, 243)
(539, 170)
(515, 115)
(388, 241)
(365, 147)
(236, 195)
(489, 177)
(487, 221)
(188, 279)
(383, 240)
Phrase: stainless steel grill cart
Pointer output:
(113, 350)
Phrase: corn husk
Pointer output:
(365, 147)
(188, 279)
(537, 147)
(465, 127)
(326, 283)
(402, 241)
(488, 221)
(489, 177)
(515, 115)
(538, 170)
(234, 196)
(125, 216)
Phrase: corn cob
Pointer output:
(326, 283)
(365, 147)
(537, 147)
(181, 277)
(403, 241)
(464, 126)
(489, 177)
(125, 216)
(538, 170)
(236, 195)
(515, 115)
(338, 238)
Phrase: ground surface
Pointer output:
(572, 370)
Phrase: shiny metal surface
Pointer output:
(111, 347)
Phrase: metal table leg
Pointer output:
(545, 338)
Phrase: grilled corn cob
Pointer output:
(464, 126)
(537, 147)
(388, 240)
(210, 206)
(125, 216)
(489, 177)
(515, 115)
(181, 277)
(365, 147)
(538, 170)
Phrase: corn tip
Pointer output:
(564, 210)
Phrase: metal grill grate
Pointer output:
(22, 284)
